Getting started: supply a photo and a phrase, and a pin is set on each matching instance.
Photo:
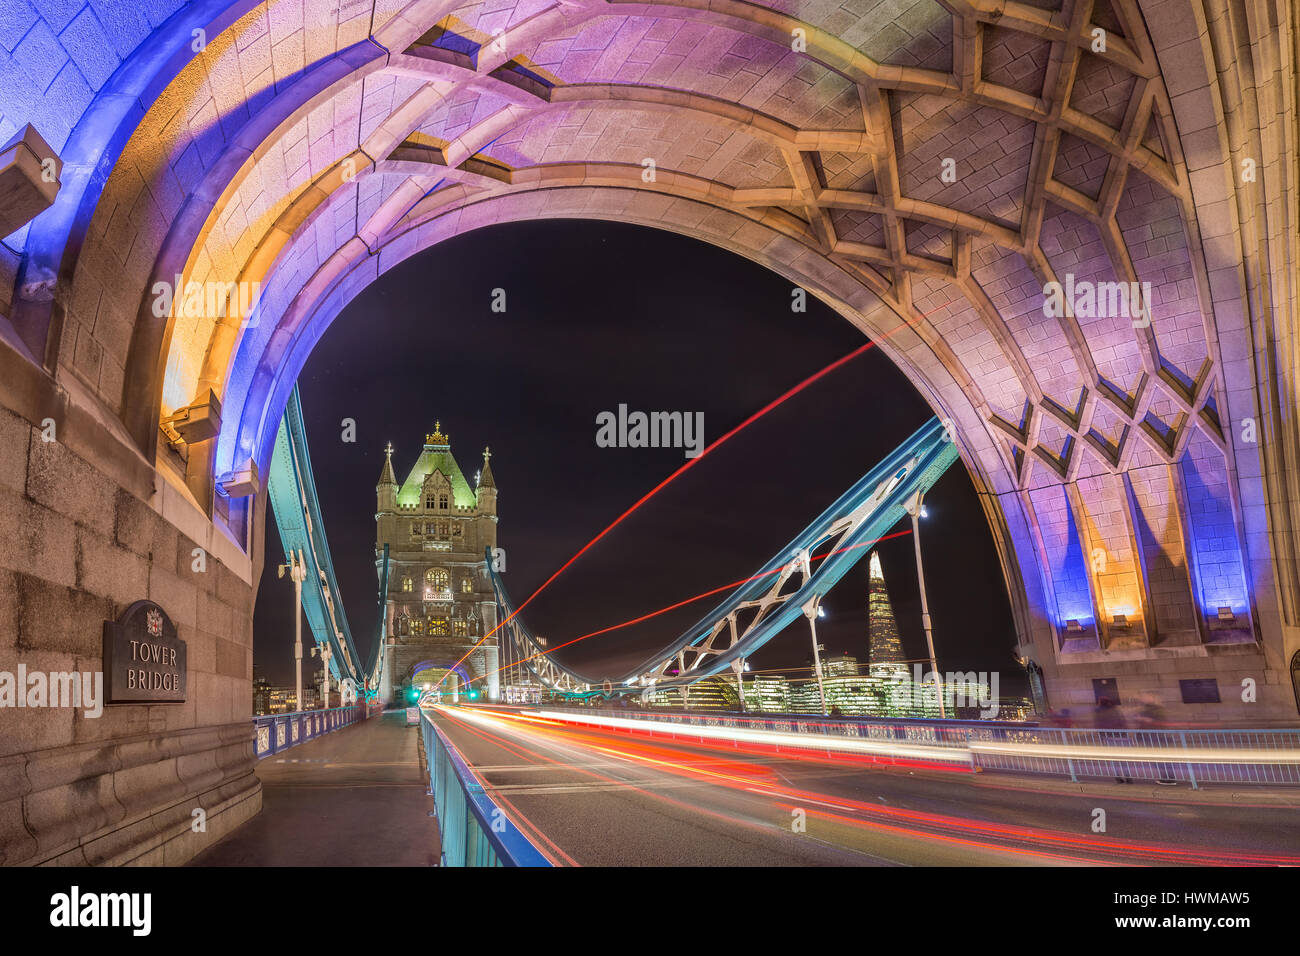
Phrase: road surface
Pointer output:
(601, 798)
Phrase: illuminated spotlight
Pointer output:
(821, 611)
(1120, 620)
(1226, 615)
(1072, 626)
(924, 512)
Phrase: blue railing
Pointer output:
(474, 831)
(277, 732)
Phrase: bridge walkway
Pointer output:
(355, 797)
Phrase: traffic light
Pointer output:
(412, 694)
(473, 695)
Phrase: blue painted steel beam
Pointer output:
(292, 490)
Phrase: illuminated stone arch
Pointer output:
(382, 130)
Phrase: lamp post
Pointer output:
(812, 610)
(917, 510)
(739, 666)
(325, 654)
(297, 568)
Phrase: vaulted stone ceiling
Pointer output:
(309, 145)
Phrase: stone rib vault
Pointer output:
(1140, 480)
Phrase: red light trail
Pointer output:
(690, 463)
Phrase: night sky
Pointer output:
(599, 314)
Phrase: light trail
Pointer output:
(690, 463)
(939, 756)
(961, 832)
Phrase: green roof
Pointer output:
(436, 458)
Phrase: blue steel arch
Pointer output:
(292, 490)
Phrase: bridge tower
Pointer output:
(440, 601)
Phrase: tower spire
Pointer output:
(386, 477)
(886, 655)
(485, 479)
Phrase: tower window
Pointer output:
(428, 502)
(466, 586)
(442, 501)
(438, 626)
(461, 629)
(406, 584)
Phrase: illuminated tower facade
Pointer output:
(440, 601)
(887, 658)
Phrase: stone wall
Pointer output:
(87, 528)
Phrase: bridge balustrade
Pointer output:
(274, 733)
(474, 831)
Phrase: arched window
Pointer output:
(417, 627)
(466, 586)
(438, 626)
(406, 584)
(428, 501)
(442, 501)
(461, 629)
(439, 579)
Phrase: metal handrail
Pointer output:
(274, 733)
(474, 831)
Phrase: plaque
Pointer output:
(144, 660)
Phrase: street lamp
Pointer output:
(297, 568)
(813, 610)
(917, 510)
(739, 667)
(325, 653)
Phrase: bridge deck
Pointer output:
(355, 797)
(592, 797)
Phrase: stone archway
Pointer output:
(1140, 481)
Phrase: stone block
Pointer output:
(65, 483)
(15, 438)
(177, 595)
(62, 619)
(106, 570)
(134, 523)
(36, 540)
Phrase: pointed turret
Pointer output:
(386, 490)
(487, 486)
